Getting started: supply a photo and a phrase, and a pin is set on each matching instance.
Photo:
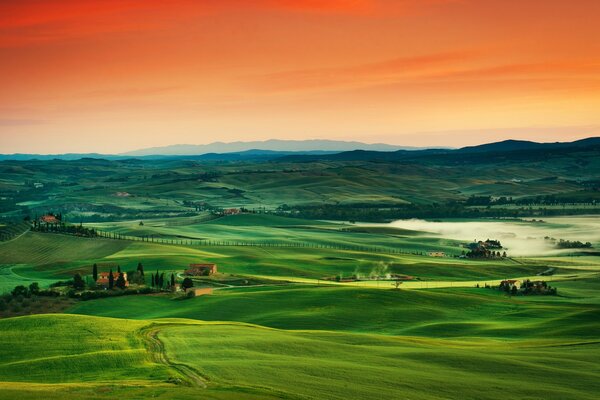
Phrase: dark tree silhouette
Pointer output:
(121, 284)
(187, 283)
(34, 288)
(78, 282)
(95, 272)
(111, 279)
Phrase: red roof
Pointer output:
(104, 279)
(49, 219)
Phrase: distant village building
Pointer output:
(201, 269)
(103, 278)
(437, 254)
(509, 283)
(38, 185)
(202, 291)
(49, 219)
(231, 211)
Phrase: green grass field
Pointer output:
(50, 256)
(293, 335)
(547, 351)
(429, 313)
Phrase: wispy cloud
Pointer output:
(31, 22)
(388, 71)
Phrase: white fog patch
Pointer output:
(518, 238)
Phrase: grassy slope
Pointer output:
(49, 257)
(61, 349)
(302, 365)
(433, 313)
(83, 357)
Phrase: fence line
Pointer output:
(226, 243)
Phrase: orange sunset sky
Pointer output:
(117, 75)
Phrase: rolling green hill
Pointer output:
(433, 313)
(174, 359)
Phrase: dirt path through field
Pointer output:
(157, 350)
(16, 237)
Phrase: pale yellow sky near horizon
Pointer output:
(112, 76)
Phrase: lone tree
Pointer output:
(121, 281)
(187, 283)
(95, 272)
(111, 279)
(78, 282)
(140, 269)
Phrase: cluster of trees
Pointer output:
(488, 201)
(528, 287)
(549, 200)
(482, 252)
(569, 244)
(99, 294)
(21, 294)
(389, 212)
(487, 250)
(537, 287)
(158, 281)
(565, 199)
(61, 227)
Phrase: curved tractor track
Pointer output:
(159, 355)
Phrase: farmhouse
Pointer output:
(49, 219)
(509, 283)
(202, 291)
(201, 269)
(103, 278)
(437, 254)
(231, 211)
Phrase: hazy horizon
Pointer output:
(306, 148)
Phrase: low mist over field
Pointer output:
(520, 238)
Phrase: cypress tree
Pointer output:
(172, 280)
(118, 269)
(121, 281)
(162, 279)
(95, 272)
(140, 269)
(111, 279)
(152, 280)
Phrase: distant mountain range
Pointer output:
(491, 152)
(311, 150)
(271, 145)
